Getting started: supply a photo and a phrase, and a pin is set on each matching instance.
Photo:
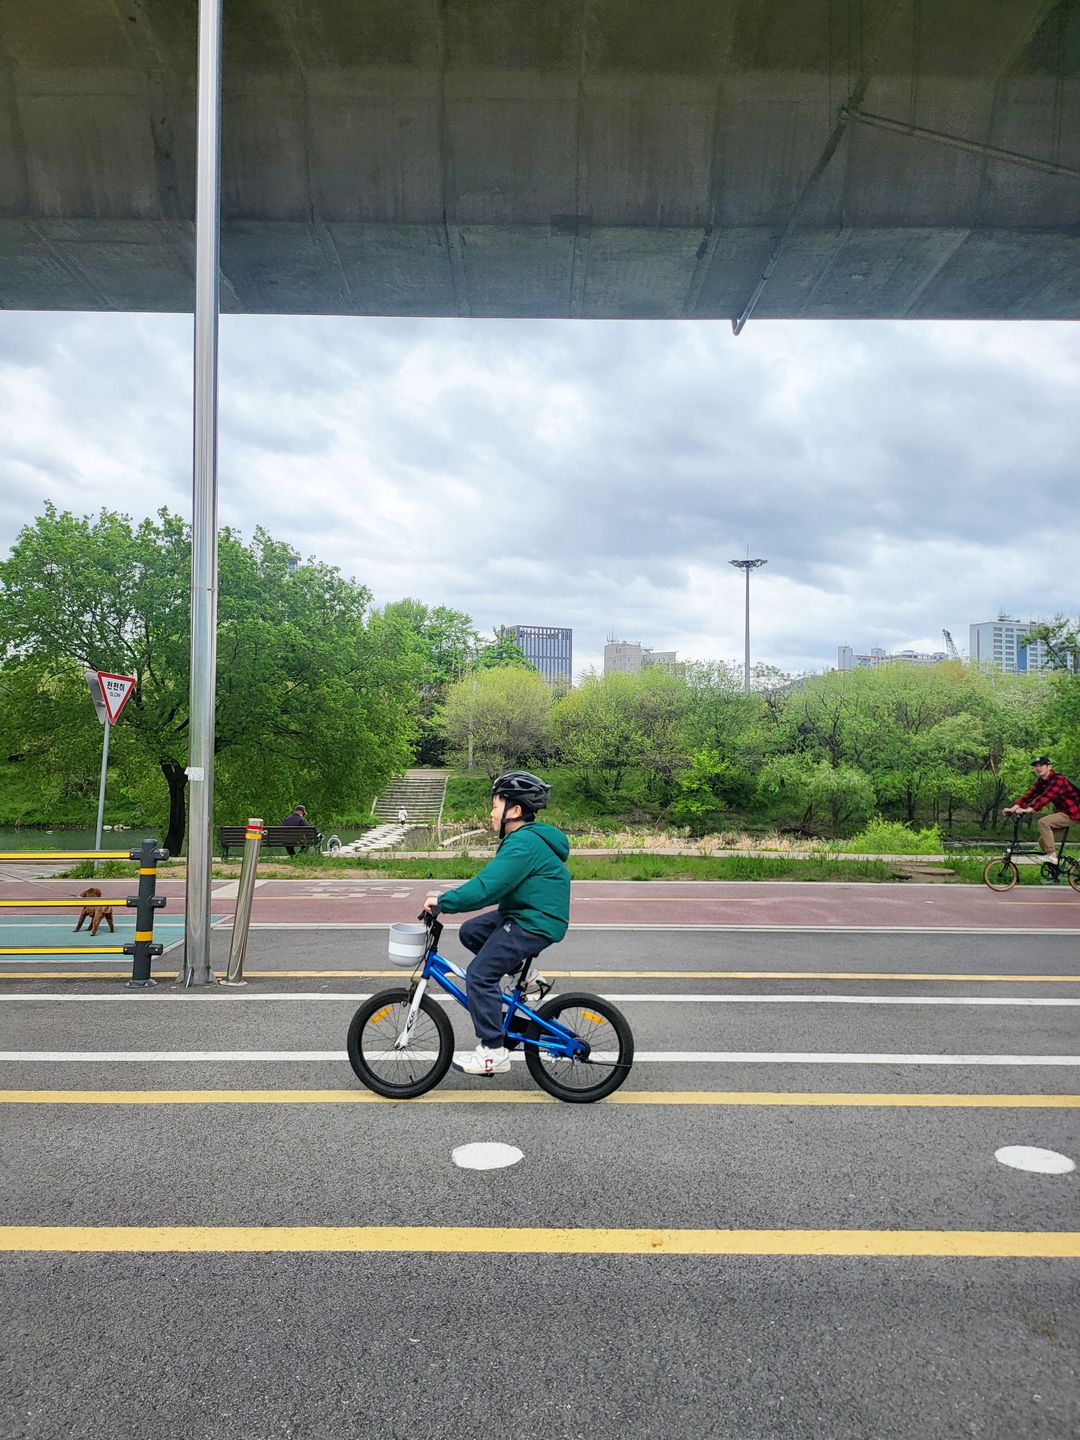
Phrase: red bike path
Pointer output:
(767, 905)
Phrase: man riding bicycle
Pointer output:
(1049, 788)
(530, 884)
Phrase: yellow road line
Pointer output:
(837, 1098)
(82, 974)
(718, 899)
(918, 976)
(500, 1240)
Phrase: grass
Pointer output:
(468, 797)
(965, 870)
(603, 867)
(893, 837)
(971, 870)
(107, 869)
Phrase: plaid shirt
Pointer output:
(1055, 790)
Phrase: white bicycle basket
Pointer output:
(406, 945)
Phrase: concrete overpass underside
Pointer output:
(636, 158)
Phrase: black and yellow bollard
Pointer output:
(144, 949)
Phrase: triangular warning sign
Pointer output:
(115, 691)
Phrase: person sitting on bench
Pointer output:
(298, 817)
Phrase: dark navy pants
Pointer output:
(500, 947)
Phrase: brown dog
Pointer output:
(94, 913)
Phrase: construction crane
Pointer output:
(950, 646)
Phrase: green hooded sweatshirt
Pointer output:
(527, 879)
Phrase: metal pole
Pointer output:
(101, 787)
(200, 773)
(747, 565)
(746, 657)
(244, 893)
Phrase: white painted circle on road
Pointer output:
(1030, 1157)
(486, 1155)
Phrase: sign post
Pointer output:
(110, 693)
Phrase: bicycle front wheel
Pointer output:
(1000, 874)
(611, 1049)
(400, 1074)
(1073, 876)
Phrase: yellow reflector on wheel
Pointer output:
(596, 1019)
(380, 1015)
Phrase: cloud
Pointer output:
(898, 477)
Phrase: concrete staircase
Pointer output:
(419, 792)
(381, 837)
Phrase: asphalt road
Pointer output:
(300, 904)
(808, 1121)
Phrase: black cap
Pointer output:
(1041, 760)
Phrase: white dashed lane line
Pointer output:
(641, 1057)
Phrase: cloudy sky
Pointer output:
(898, 477)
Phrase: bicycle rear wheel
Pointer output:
(400, 1074)
(1000, 874)
(1073, 876)
(611, 1049)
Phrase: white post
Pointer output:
(196, 968)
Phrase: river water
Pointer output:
(31, 838)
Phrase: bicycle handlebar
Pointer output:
(434, 927)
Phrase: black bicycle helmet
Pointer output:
(518, 787)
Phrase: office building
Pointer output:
(627, 657)
(548, 647)
(996, 645)
(847, 659)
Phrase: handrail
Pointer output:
(15, 856)
(143, 948)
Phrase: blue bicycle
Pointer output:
(578, 1047)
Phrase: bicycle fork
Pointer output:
(403, 1039)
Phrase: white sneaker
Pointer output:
(484, 1060)
(535, 990)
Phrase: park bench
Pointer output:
(300, 837)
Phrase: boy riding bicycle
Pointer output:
(530, 884)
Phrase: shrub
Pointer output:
(894, 837)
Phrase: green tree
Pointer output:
(1059, 715)
(445, 640)
(598, 729)
(699, 791)
(314, 695)
(742, 729)
(662, 705)
(930, 739)
(498, 719)
(443, 643)
(838, 797)
(502, 650)
(445, 646)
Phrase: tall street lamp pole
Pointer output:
(747, 565)
(204, 521)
